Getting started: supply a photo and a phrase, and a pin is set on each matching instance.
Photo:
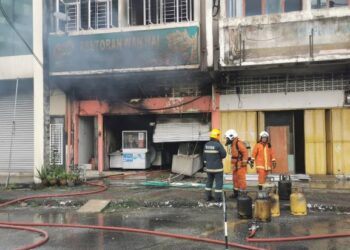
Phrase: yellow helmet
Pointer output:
(215, 133)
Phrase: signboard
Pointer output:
(124, 50)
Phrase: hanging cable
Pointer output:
(13, 134)
(216, 7)
(165, 108)
(8, 20)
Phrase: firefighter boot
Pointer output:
(218, 197)
(234, 194)
(208, 196)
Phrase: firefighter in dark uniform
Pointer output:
(213, 154)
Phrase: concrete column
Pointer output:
(123, 13)
(69, 133)
(76, 133)
(100, 143)
(38, 85)
(306, 5)
(209, 32)
(215, 112)
(197, 10)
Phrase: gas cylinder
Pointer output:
(284, 187)
(244, 206)
(298, 204)
(275, 203)
(262, 211)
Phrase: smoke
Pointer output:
(110, 59)
(20, 15)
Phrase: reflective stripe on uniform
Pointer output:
(218, 190)
(262, 167)
(215, 170)
(209, 151)
(208, 189)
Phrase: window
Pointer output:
(234, 8)
(20, 14)
(253, 7)
(238, 8)
(320, 4)
(147, 12)
(75, 15)
(338, 3)
(293, 5)
(273, 6)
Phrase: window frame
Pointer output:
(328, 5)
(264, 5)
(282, 3)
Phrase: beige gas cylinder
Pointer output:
(275, 203)
(262, 209)
(298, 204)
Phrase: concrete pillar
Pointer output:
(38, 85)
(306, 5)
(215, 112)
(69, 133)
(76, 132)
(100, 143)
(123, 13)
(197, 10)
(209, 32)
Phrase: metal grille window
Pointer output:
(75, 15)
(238, 8)
(160, 11)
(56, 144)
(283, 84)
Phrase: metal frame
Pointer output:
(287, 83)
(73, 21)
(167, 11)
(56, 142)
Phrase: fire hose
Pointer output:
(298, 238)
(102, 188)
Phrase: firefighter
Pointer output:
(213, 154)
(239, 161)
(264, 157)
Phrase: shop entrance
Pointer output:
(286, 129)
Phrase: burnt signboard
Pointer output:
(121, 51)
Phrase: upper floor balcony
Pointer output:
(274, 32)
(107, 36)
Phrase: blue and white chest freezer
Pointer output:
(134, 154)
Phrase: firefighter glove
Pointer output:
(274, 164)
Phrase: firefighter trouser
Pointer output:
(239, 178)
(219, 181)
(262, 173)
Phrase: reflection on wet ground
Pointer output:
(199, 222)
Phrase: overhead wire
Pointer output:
(13, 27)
(165, 108)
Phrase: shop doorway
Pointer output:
(286, 130)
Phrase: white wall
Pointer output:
(38, 87)
(13, 67)
(57, 102)
(281, 101)
(86, 139)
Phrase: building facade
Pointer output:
(22, 118)
(175, 69)
(286, 65)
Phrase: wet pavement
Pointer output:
(173, 210)
(199, 222)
